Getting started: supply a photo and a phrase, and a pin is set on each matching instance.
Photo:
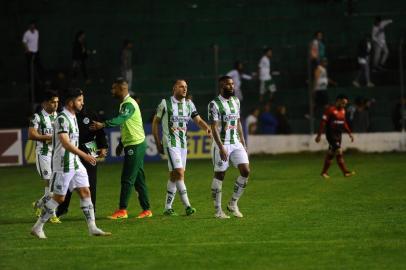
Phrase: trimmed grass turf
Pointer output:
(293, 220)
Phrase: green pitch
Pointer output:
(293, 220)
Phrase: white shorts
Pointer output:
(176, 157)
(61, 181)
(265, 86)
(236, 153)
(44, 166)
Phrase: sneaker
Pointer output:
(119, 214)
(98, 232)
(36, 208)
(234, 209)
(349, 174)
(38, 233)
(356, 84)
(220, 214)
(325, 176)
(370, 84)
(190, 210)
(170, 212)
(145, 214)
(55, 220)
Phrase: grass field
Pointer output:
(293, 220)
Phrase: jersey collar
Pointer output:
(223, 98)
(177, 101)
(68, 113)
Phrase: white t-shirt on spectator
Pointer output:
(264, 69)
(31, 40)
(251, 119)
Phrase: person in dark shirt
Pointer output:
(79, 55)
(92, 142)
(335, 123)
(268, 121)
(283, 122)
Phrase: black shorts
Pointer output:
(334, 140)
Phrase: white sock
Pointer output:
(47, 195)
(47, 211)
(87, 207)
(170, 194)
(180, 184)
(239, 187)
(216, 193)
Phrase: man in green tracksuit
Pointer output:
(133, 140)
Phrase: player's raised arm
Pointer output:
(64, 138)
(126, 111)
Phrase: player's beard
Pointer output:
(228, 93)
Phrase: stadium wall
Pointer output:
(17, 150)
(364, 142)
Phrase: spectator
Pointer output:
(251, 122)
(360, 121)
(31, 48)
(399, 115)
(381, 50)
(317, 47)
(237, 74)
(320, 84)
(126, 64)
(364, 52)
(283, 122)
(265, 77)
(267, 120)
(80, 55)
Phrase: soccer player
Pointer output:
(40, 131)
(67, 169)
(334, 122)
(229, 145)
(133, 140)
(174, 113)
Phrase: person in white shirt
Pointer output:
(237, 75)
(251, 122)
(381, 50)
(31, 49)
(265, 78)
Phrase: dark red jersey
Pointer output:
(334, 121)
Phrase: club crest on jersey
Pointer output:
(130, 152)
(45, 172)
(220, 163)
(86, 120)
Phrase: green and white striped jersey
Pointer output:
(43, 122)
(63, 160)
(227, 112)
(175, 115)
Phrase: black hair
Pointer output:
(237, 64)
(266, 49)
(126, 42)
(378, 19)
(341, 96)
(72, 93)
(223, 78)
(49, 94)
(78, 34)
(178, 80)
(120, 80)
(317, 32)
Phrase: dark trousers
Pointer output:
(34, 74)
(92, 173)
(133, 176)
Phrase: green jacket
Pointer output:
(130, 122)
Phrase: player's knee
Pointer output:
(339, 151)
(245, 172)
(178, 174)
(58, 198)
(220, 175)
(84, 192)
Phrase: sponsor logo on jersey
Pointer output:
(179, 119)
(231, 117)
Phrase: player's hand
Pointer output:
(223, 154)
(96, 126)
(48, 138)
(160, 148)
(351, 137)
(90, 159)
(119, 149)
(102, 152)
(208, 132)
(318, 138)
